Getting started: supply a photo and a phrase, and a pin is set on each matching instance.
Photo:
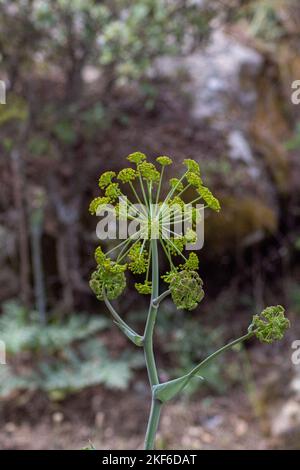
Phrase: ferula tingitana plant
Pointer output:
(156, 226)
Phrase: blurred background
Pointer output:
(89, 82)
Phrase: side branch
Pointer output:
(126, 329)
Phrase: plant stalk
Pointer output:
(153, 423)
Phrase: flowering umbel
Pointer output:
(270, 325)
(152, 208)
(143, 186)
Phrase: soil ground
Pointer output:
(117, 420)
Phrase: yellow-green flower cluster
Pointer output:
(192, 165)
(193, 179)
(106, 179)
(176, 245)
(97, 203)
(147, 187)
(136, 157)
(149, 172)
(113, 192)
(127, 174)
(190, 236)
(211, 201)
(99, 255)
(164, 161)
(192, 263)
(108, 279)
(176, 184)
(138, 259)
(144, 288)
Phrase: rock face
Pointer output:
(223, 78)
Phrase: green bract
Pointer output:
(271, 324)
(186, 289)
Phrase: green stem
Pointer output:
(143, 191)
(148, 335)
(137, 197)
(148, 350)
(116, 316)
(220, 351)
(159, 299)
(159, 185)
(184, 189)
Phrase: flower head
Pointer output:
(190, 236)
(144, 288)
(211, 201)
(192, 165)
(186, 289)
(136, 157)
(193, 179)
(97, 203)
(149, 172)
(176, 184)
(99, 255)
(138, 259)
(108, 279)
(192, 263)
(164, 161)
(112, 192)
(151, 216)
(106, 178)
(270, 325)
(127, 174)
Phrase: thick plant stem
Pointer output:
(148, 349)
(152, 424)
(148, 335)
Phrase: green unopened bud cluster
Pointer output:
(270, 325)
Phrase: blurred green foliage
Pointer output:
(189, 342)
(60, 358)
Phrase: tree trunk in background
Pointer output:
(19, 190)
(36, 226)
